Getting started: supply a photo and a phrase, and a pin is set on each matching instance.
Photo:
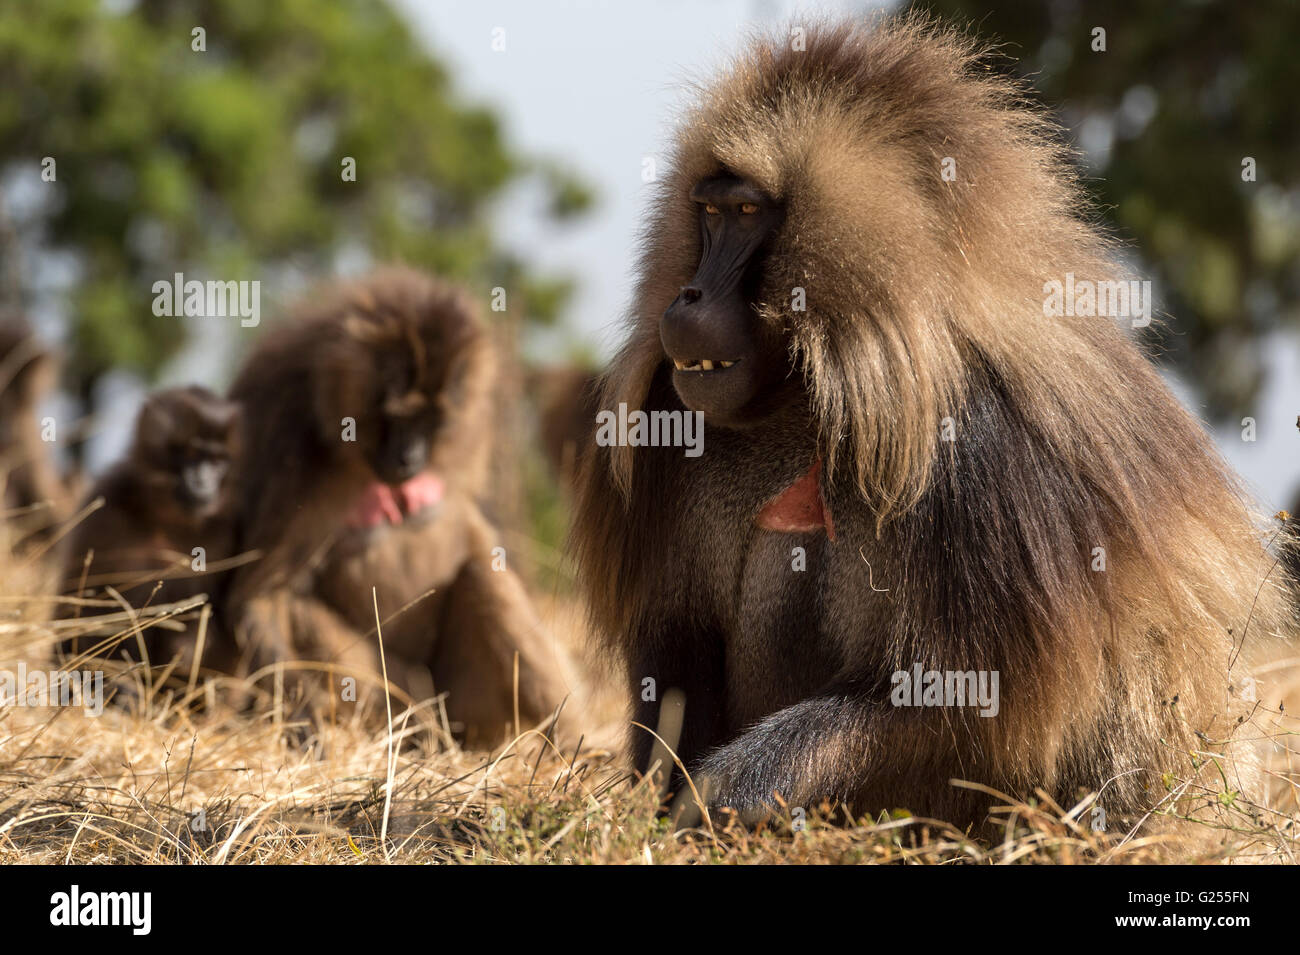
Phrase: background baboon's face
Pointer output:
(402, 407)
(725, 358)
(188, 445)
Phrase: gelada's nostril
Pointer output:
(691, 295)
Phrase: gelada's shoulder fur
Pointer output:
(922, 293)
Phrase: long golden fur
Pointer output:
(925, 302)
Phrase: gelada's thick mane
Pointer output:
(919, 290)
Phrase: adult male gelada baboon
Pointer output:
(165, 529)
(920, 486)
(369, 437)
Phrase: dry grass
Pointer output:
(173, 773)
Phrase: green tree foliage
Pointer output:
(1184, 92)
(229, 162)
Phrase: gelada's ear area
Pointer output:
(724, 357)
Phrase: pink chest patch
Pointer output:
(383, 504)
(800, 508)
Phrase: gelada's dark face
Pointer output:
(725, 359)
(406, 414)
(192, 438)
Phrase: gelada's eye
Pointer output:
(711, 209)
(748, 208)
